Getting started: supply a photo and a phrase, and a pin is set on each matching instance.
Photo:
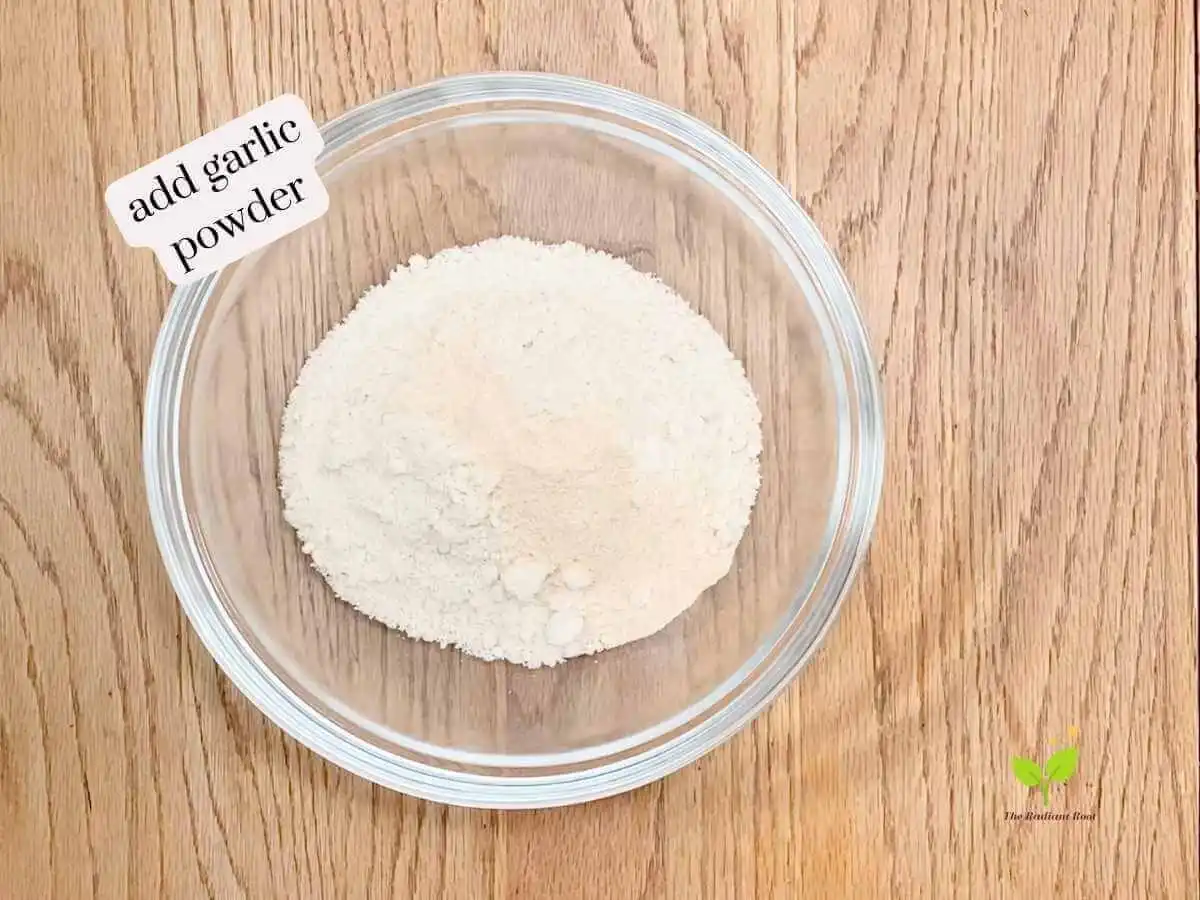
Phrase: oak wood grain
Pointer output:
(1011, 187)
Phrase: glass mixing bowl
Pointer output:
(554, 159)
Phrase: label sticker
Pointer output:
(226, 194)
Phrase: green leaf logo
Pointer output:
(1027, 771)
(1062, 765)
(1059, 768)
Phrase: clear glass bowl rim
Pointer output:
(644, 757)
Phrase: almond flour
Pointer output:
(528, 452)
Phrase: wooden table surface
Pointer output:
(1011, 187)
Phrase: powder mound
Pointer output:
(529, 452)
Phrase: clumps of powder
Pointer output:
(529, 452)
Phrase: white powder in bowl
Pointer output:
(529, 452)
